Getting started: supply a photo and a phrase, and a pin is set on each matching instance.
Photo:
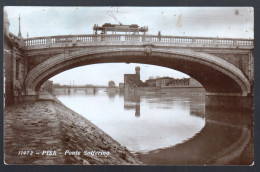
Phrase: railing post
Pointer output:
(147, 39)
(94, 38)
(122, 38)
(23, 42)
(193, 40)
(215, 41)
(74, 39)
(99, 38)
(48, 41)
(235, 42)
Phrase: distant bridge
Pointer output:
(81, 87)
(224, 66)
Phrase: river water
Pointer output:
(167, 128)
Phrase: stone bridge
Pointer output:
(223, 66)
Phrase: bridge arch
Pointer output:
(218, 76)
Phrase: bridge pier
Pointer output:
(243, 102)
(29, 98)
(31, 95)
(227, 94)
(231, 110)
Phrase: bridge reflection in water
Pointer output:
(225, 138)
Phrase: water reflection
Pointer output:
(163, 120)
(132, 101)
(111, 92)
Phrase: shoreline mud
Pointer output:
(46, 132)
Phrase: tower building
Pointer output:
(132, 81)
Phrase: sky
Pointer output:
(227, 22)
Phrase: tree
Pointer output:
(111, 84)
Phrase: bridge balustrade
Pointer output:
(131, 38)
(204, 41)
(113, 38)
(74, 39)
(226, 42)
(32, 42)
(245, 42)
(85, 39)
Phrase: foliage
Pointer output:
(111, 84)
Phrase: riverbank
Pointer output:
(47, 132)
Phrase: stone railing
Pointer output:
(74, 40)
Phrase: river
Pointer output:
(167, 128)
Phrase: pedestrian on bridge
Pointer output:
(159, 36)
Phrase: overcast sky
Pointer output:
(226, 22)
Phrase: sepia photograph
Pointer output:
(135, 86)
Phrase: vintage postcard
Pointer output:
(128, 85)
